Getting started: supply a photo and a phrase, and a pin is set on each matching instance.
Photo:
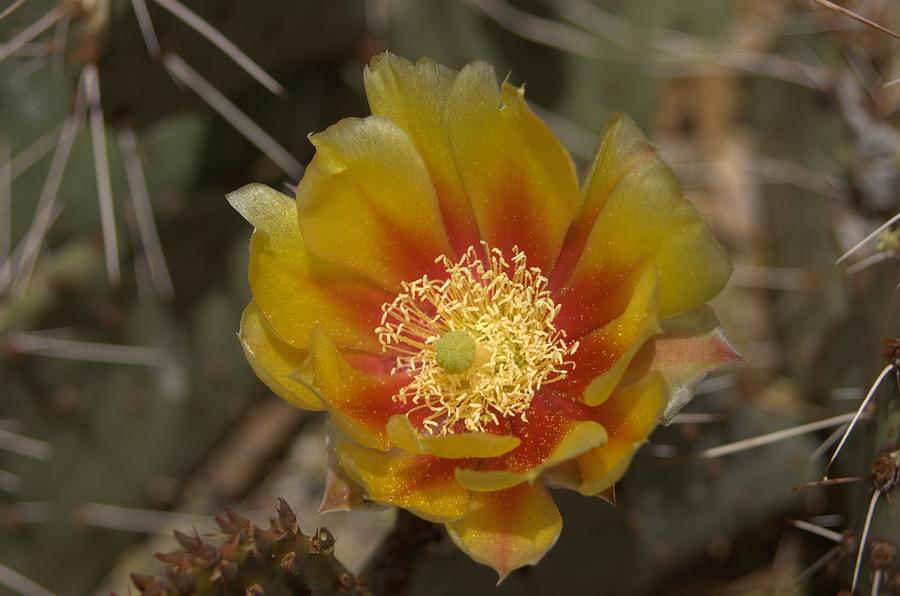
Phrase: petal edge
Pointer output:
(508, 529)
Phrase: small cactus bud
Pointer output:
(264, 559)
(322, 542)
(228, 528)
(236, 518)
(205, 553)
(287, 519)
(187, 542)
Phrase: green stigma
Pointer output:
(455, 351)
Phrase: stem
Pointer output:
(388, 570)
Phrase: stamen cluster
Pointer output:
(504, 306)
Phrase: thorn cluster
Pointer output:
(252, 561)
(886, 471)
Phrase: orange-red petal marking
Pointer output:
(415, 97)
(551, 435)
(368, 204)
(360, 404)
(421, 484)
(290, 294)
(637, 216)
(604, 354)
(519, 178)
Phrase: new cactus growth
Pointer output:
(252, 561)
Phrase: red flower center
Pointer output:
(479, 343)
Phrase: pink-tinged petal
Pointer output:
(341, 493)
(274, 362)
(604, 354)
(461, 445)
(551, 435)
(567, 476)
(642, 220)
(692, 346)
(421, 484)
(629, 416)
(519, 178)
(360, 404)
(508, 529)
(415, 97)
(563, 475)
(294, 296)
(367, 204)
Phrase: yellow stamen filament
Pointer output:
(505, 308)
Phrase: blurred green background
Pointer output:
(773, 112)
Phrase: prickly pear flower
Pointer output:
(479, 327)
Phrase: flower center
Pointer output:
(455, 351)
(478, 343)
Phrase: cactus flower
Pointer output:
(478, 326)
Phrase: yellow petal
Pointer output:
(490, 480)
(456, 446)
(286, 291)
(360, 404)
(508, 529)
(622, 148)
(581, 437)
(629, 416)
(421, 484)
(274, 361)
(415, 97)
(366, 203)
(637, 217)
(519, 178)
